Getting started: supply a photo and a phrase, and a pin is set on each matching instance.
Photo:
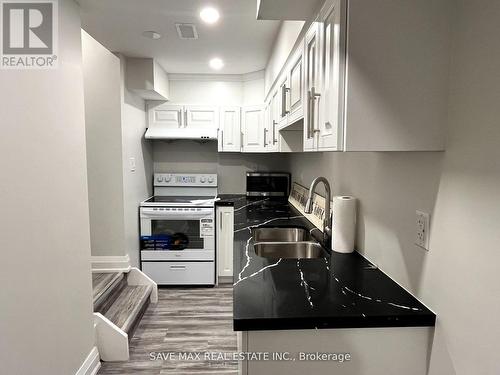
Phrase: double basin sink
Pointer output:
(286, 243)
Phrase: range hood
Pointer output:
(156, 131)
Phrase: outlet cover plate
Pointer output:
(422, 229)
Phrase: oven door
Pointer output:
(177, 233)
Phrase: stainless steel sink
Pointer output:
(290, 250)
(280, 234)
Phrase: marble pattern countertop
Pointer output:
(338, 291)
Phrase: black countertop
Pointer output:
(338, 291)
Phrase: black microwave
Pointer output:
(268, 184)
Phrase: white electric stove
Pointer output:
(177, 229)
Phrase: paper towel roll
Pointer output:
(343, 224)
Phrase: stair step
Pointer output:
(101, 281)
(129, 307)
(106, 286)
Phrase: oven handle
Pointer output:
(176, 214)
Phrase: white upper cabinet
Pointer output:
(168, 116)
(296, 89)
(397, 72)
(313, 53)
(230, 129)
(330, 125)
(267, 125)
(284, 91)
(253, 128)
(273, 124)
(171, 121)
(201, 116)
(374, 77)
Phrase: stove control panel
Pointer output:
(183, 179)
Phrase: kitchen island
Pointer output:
(337, 303)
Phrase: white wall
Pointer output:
(283, 45)
(46, 320)
(458, 277)
(101, 73)
(220, 90)
(136, 184)
(190, 156)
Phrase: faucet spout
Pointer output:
(327, 220)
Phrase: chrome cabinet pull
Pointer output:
(274, 132)
(313, 96)
(265, 136)
(185, 118)
(220, 224)
(309, 117)
(180, 268)
(284, 110)
(180, 118)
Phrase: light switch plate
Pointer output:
(131, 163)
(422, 229)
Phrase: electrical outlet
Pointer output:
(422, 230)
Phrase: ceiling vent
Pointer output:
(186, 31)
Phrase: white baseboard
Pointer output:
(110, 263)
(91, 365)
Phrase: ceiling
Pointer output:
(243, 42)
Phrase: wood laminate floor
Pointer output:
(183, 320)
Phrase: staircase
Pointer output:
(120, 300)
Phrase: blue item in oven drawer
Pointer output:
(156, 242)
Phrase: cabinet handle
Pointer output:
(185, 118)
(180, 118)
(274, 132)
(309, 100)
(180, 268)
(284, 110)
(265, 136)
(220, 220)
(222, 138)
(314, 95)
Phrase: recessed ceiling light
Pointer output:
(216, 63)
(151, 35)
(209, 15)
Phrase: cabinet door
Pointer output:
(166, 115)
(253, 128)
(296, 92)
(225, 240)
(230, 129)
(312, 53)
(331, 124)
(267, 126)
(201, 116)
(283, 101)
(273, 134)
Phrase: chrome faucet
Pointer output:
(327, 220)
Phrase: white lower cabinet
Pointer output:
(253, 128)
(229, 139)
(179, 273)
(225, 238)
